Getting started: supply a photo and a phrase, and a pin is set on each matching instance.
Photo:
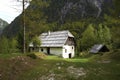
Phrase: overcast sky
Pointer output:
(9, 9)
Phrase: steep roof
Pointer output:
(96, 48)
(54, 39)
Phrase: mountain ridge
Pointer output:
(3, 24)
(59, 12)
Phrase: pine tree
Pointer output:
(4, 45)
(13, 45)
(104, 35)
(88, 38)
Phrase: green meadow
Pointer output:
(22, 67)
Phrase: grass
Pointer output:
(77, 60)
(53, 67)
(68, 60)
(51, 57)
(6, 56)
(58, 66)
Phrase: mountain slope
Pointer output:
(3, 24)
(43, 15)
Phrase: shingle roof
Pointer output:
(96, 48)
(54, 39)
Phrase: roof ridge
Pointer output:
(58, 31)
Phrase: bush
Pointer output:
(32, 55)
(84, 54)
(36, 55)
(114, 55)
(40, 55)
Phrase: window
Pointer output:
(65, 50)
(72, 47)
(42, 49)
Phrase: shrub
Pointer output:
(36, 55)
(115, 55)
(32, 55)
(84, 54)
(40, 55)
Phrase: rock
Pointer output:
(59, 67)
(76, 72)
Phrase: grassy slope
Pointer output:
(56, 68)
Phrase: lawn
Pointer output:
(83, 60)
(56, 68)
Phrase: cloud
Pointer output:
(9, 9)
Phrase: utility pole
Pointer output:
(24, 38)
(24, 2)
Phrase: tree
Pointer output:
(36, 41)
(104, 35)
(116, 37)
(13, 45)
(117, 7)
(8, 45)
(88, 37)
(4, 45)
(107, 35)
(20, 41)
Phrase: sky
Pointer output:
(10, 9)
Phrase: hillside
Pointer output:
(3, 24)
(58, 12)
(95, 19)
(22, 67)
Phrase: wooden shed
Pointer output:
(99, 48)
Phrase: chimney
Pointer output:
(48, 32)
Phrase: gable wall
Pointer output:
(68, 50)
(70, 41)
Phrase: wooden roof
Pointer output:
(54, 39)
(98, 48)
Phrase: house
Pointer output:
(60, 43)
(99, 48)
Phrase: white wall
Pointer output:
(55, 51)
(44, 50)
(68, 50)
(61, 51)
